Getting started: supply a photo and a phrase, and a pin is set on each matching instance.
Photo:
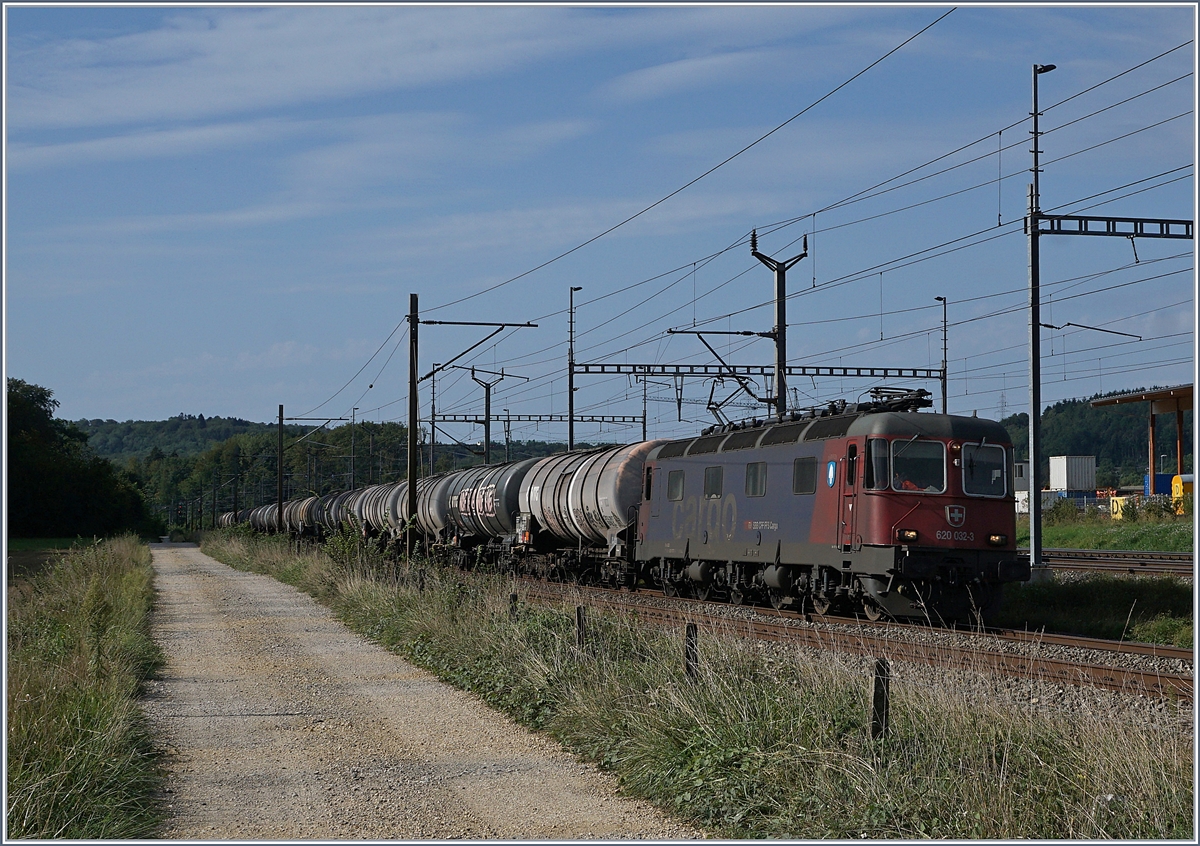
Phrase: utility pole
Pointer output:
(644, 384)
(571, 370)
(487, 408)
(413, 322)
(279, 472)
(780, 268)
(942, 300)
(432, 415)
(1035, 339)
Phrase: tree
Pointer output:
(56, 486)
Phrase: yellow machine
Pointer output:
(1180, 485)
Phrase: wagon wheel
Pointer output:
(777, 598)
(703, 591)
(737, 597)
(668, 589)
(874, 612)
(821, 603)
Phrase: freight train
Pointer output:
(872, 508)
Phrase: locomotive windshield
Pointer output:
(983, 470)
(919, 466)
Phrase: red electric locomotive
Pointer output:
(871, 507)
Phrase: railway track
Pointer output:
(890, 640)
(1118, 561)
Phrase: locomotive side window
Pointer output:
(649, 483)
(851, 465)
(983, 470)
(875, 469)
(919, 466)
(804, 475)
(675, 485)
(756, 479)
(712, 482)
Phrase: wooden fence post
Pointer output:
(879, 699)
(691, 653)
(580, 628)
(512, 606)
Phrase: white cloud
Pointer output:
(264, 58)
(671, 78)
(148, 144)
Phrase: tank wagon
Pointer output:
(873, 508)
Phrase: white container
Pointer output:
(1072, 472)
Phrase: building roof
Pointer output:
(1181, 393)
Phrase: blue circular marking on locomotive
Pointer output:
(830, 473)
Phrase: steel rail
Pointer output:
(1127, 680)
(1117, 561)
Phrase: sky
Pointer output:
(218, 210)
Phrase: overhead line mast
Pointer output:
(779, 332)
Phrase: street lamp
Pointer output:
(942, 300)
(353, 474)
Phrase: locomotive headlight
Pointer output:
(997, 540)
(906, 535)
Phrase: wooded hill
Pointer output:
(183, 435)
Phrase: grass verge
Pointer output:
(1149, 609)
(81, 763)
(766, 742)
(1102, 533)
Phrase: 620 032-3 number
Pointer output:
(957, 536)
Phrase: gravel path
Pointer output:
(281, 724)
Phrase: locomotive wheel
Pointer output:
(821, 604)
(668, 589)
(736, 597)
(703, 591)
(776, 597)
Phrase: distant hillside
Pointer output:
(1116, 434)
(184, 435)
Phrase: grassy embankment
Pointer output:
(27, 556)
(1142, 608)
(80, 759)
(766, 742)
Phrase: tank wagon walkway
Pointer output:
(282, 724)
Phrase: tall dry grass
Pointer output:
(766, 742)
(81, 761)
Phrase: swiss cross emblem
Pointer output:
(956, 515)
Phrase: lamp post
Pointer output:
(353, 474)
(571, 369)
(1035, 340)
(942, 300)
